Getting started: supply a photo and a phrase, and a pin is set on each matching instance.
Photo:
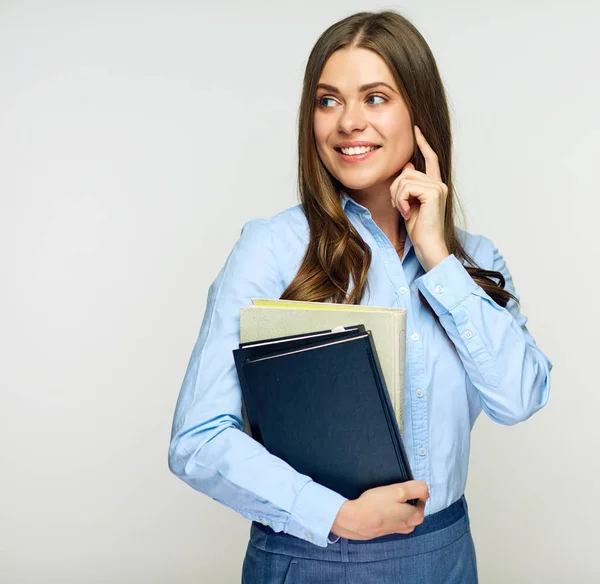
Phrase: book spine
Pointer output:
(393, 424)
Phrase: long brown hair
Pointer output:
(336, 253)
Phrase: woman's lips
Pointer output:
(357, 157)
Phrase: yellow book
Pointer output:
(268, 318)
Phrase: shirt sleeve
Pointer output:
(208, 449)
(510, 373)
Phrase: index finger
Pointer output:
(432, 166)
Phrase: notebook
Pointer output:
(270, 318)
(319, 402)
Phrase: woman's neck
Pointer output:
(387, 218)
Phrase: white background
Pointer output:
(136, 138)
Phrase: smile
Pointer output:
(362, 153)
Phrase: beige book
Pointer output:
(268, 318)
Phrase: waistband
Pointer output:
(437, 530)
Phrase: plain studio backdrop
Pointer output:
(136, 138)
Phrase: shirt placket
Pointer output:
(415, 375)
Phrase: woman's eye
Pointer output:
(321, 100)
(379, 96)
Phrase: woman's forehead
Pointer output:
(350, 69)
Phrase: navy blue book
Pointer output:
(319, 402)
(268, 346)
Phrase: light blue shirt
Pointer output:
(492, 363)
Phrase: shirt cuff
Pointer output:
(446, 285)
(314, 513)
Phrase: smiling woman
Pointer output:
(369, 80)
(375, 226)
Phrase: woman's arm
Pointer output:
(208, 449)
(501, 358)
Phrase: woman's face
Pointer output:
(378, 115)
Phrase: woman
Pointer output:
(375, 226)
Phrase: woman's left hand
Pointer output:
(421, 199)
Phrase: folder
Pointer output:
(270, 318)
(320, 403)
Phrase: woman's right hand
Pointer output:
(381, 511)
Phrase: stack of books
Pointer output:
(314, 378)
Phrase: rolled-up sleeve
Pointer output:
(509, 371)
(208, 449)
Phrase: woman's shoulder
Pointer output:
(292, 218)
(285, 228)
(478, 246)
(279, 240)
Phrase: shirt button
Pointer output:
(422, 451)
(468, 334)
(403, 290)
(439, 289)
(420, 393)
(415, 336)
(263, 522)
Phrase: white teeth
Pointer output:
(358, 150)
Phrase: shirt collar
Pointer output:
(349, 202)
(346, 200)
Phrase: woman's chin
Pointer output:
(360, 184)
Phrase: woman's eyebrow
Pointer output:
(362, 88)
